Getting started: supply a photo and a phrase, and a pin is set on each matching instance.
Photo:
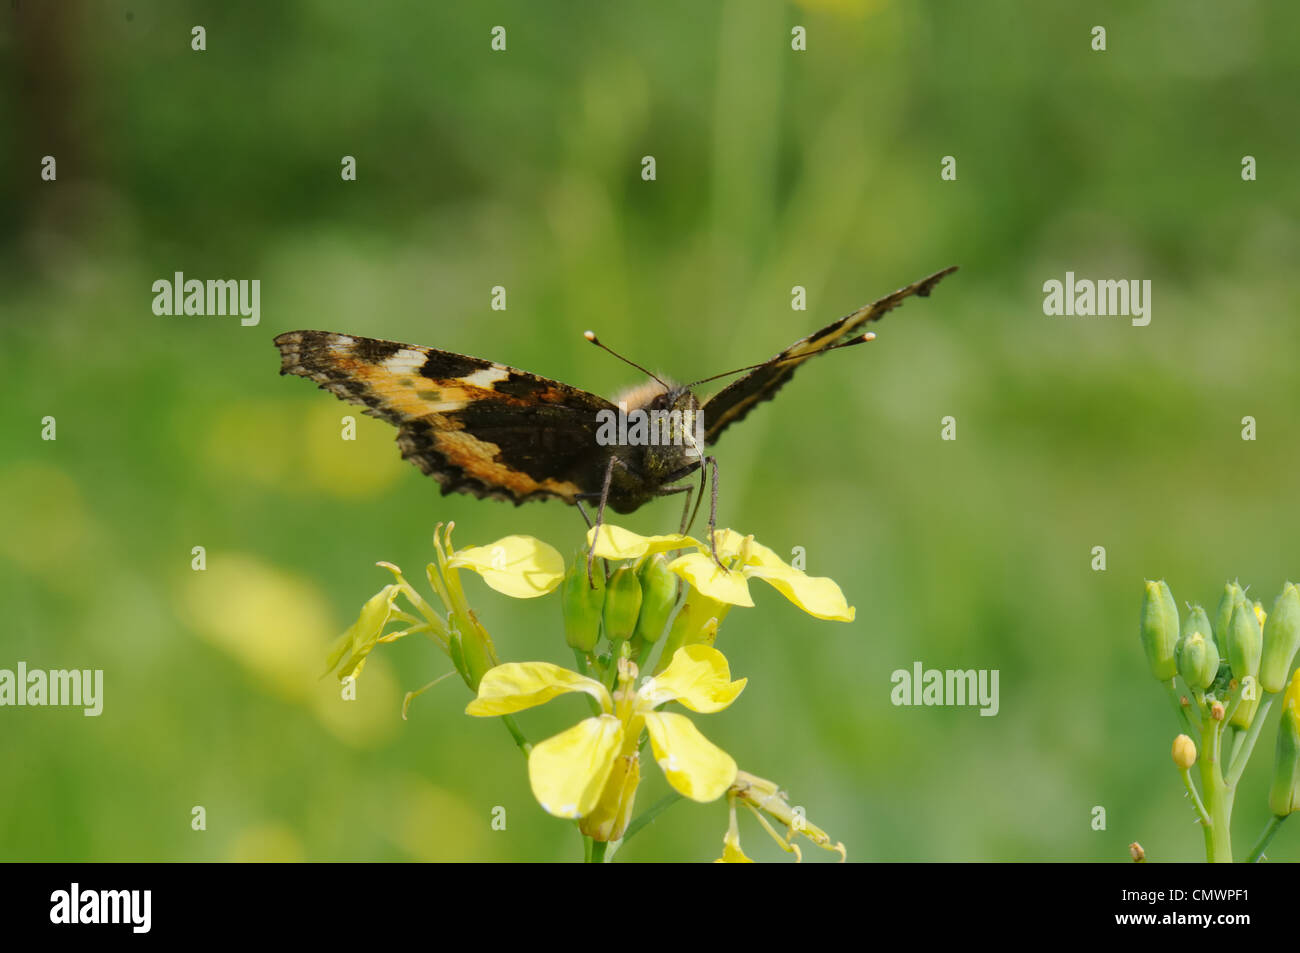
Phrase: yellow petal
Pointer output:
(756, 554)
(568, 771)
(515, 686)
(693, 764)
(362, 636)
(518, 566)
(816, 595)
(703, 573)
(1291, 694)
(608, 819)
(618, 543)
(728, 542)
(698, 677)
(731, 852)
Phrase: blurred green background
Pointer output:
(522, 169)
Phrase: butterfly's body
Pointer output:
(494, 431)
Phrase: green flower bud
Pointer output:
(622, 604)
(1160, 629)
(583, 605)
(1223, 615)
(1281, 640)
(1245, 640)
(469, 650)
(1198, 621)
(1184, 752)
(1284, 795)
(1245, 643)
(658, 596)
(1245, 712)
(1198, 660)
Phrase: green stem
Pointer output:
(1195, 795)
(598, 851)
(667, 801)
(513, 728)
(1179, 709)
(1245, 748)
(1218, 832)
(615, 652)
(584, 668)
(1261, 845)
(643, 655)
(586, 849)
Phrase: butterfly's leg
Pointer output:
(600, 516)
(582, 511)
(686, 509)
(669, 491)
(713, 512)
(704, 474)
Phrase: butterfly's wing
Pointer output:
(739, 397)
(475, 426)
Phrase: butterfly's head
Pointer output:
(677, 423)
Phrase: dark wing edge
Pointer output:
(552, 424)
(734, 402)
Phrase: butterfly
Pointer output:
(494, 431)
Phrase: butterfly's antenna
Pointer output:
(591, 336)
(860, 339)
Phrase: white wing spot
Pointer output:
(486, 377)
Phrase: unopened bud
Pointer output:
(1160, 629)
(1198, 660)
(1245, 643)
(1284, 795)
(1198, 620)
(583, 605)
(622, 604)
(1184, 752)
(658, 596)
(1281, 640)
(1245, 640)
(1223, 614)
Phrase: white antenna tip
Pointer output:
(869, 336)
(590, 336)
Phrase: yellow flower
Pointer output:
(764, 797)
(591, 771)
(817, 595)
(350, 651)
(518, 566)
(743, 558)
